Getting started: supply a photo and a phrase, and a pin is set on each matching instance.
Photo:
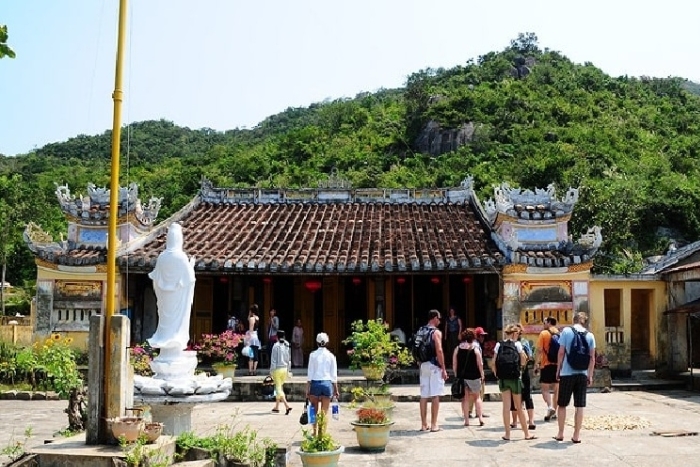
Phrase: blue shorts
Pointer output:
(321, 388)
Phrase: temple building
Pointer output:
(334, 254)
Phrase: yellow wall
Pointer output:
(16, 334)
(657, 306)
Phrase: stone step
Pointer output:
(73, 452)
(200, 463)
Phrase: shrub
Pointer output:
(372, 416)
(140, 357)
(55, 357)
(371, 344)
(218, 347)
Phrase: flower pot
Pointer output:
(372, 437)
(321, 459)
(373, 372)
(130, 428)
(225, 370)
(381, 398)
(152, 431)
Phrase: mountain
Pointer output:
(523, 115)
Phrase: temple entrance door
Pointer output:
(330, 313)
(641, 329)
(201, 321)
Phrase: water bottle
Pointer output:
(335, 409)
(312, 414)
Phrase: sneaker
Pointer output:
(551, 414)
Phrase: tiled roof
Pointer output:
(672, 258)
(325, 237)
(79, 256)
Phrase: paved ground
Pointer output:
(455, 445)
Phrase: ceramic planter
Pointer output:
(321, 459)
(227, 371)
(152, 431)
(381, 398)
(373, 372)
(128, 427)
(372, 437)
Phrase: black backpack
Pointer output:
(579, 355)
(422, 347)
(508, 361)
(553, 350)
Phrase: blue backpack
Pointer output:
(553, 350)
(579, 356)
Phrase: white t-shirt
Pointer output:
(322, 366)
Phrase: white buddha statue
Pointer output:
(173, 282)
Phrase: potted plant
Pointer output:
(373, 349)
(319, 448)
(372, 428)
(220, 350)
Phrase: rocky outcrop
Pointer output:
(435, 140)
(522, 66)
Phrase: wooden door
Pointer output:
(330, 312)
(201, 322)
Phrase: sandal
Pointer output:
(531, 437)
(288, 410)
(531, 427)
(275, 410)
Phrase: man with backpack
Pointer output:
(427, 351)
(547, 355)
(575, 373)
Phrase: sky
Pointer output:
(226, 64)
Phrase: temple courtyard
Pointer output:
(621, 428)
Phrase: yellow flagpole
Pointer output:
(117, 97)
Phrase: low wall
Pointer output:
(16, 333)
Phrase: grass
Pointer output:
(16, 387)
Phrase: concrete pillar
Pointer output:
(93, 428)
(118, 377)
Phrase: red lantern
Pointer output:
(267, 280)
(467, 279)
(401, 280)
(356, 281)
(435, 280)
(223, 280)
(313, 286)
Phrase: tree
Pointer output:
(5, 50)
(12, 208)
(525, 43)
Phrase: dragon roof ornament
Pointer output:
(515, 201)
(93, 206)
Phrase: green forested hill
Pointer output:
(522, 115)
